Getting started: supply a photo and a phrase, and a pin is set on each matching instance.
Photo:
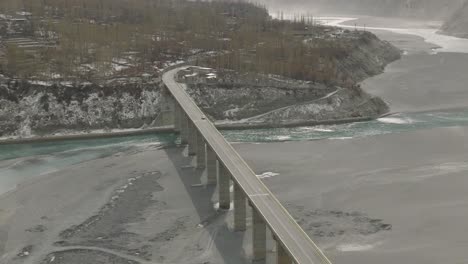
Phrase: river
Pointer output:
(23, 161)
(427, 89)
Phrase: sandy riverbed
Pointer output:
(137, 206)
(419, 190)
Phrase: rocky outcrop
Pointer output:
(457, 24)
(345, 104)
(254, 99)
(235, 96)
(280, 101)
(366, 56)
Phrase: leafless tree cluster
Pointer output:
(90, 35)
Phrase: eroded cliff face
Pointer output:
(38, 108)
(280, 101)
(457, 24)
(367, 56)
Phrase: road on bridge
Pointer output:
(295, 241)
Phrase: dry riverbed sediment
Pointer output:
(148, 205)
(142, 205)
(137, 206)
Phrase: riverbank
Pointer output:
(170, 129)
(90, 135)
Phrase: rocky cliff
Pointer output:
(367, 55)
(270, 100)
(37, 108)
(457, 24)
(247, 98)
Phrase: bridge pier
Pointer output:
(223, 163)
(192, 139)
(258, 237)
(240, 217)
(177, 114)
(201, 151)
(184, 128)
(223, 186)
(211, 165)
(282, 256)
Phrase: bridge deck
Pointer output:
(295, 241)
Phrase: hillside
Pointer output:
(72, 67)
(35, 108)
(457, 25)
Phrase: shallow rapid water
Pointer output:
(23, 161)
(393, 124)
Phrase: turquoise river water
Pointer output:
(23, 161)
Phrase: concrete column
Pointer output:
(177, 110)
(224, 193)
(240, 217)
(180, 119)
(211, 165)
(192, 139)
(282, 256)
(184, 128)
(259, 237)
(200, 151)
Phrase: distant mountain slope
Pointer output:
(433, 9)
(457, 25)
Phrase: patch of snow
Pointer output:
(191, 75)
(203, 68)
(355, 247)
(119, 67)
(211, 76)
(42, 83)
(231, 112)
(267, 174)
(23, 13)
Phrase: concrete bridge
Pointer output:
(224, 165)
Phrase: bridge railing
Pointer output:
(224, 165)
